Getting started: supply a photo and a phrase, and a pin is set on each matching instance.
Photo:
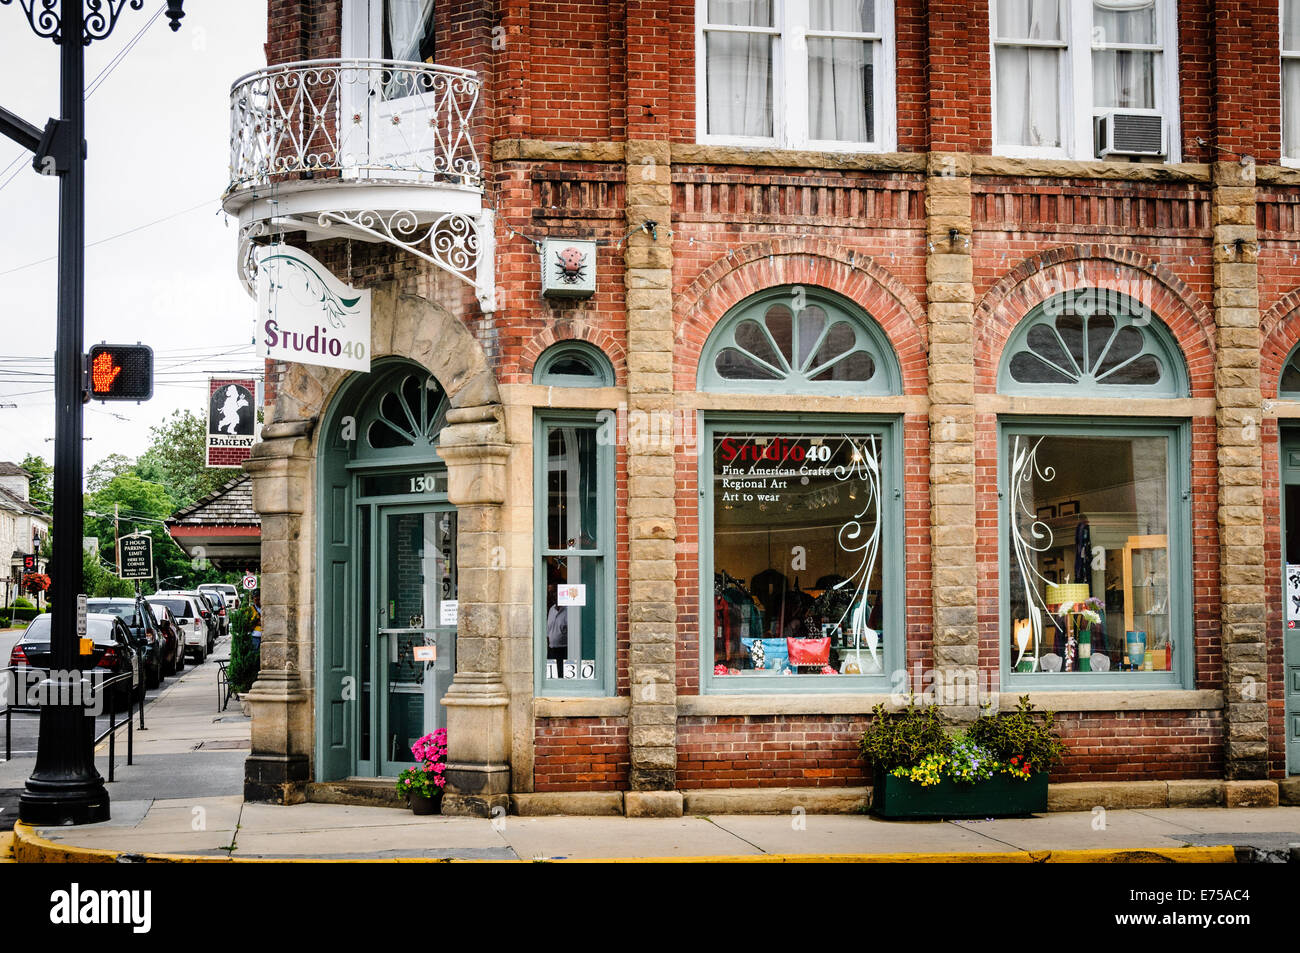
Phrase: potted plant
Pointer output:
(996, 768)
(422, 783)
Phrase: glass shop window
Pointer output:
(1096, 582)
(798, 578)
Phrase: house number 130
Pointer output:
(422, 484)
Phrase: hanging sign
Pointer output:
(306, 315)
(232, 421)
(137, 556)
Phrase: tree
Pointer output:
(103, 472)
(178, 458)
(42, 483)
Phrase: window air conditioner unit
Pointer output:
(1130, 134)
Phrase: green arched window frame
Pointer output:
(400, 416)
(1092, 342)
(573, 364)
(796, 339)
(1288, 385)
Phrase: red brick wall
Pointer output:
(1141, 746)
(580, 754)
(770, 751)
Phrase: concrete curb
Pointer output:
(31, 848)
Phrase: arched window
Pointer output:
(573, 364)
(796, 339)
(1092, 342)
(1288, 387)
(398, 417)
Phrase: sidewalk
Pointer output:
(182, 796)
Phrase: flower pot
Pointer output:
(424, 805)
(999, 796)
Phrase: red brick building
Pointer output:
(740, 366)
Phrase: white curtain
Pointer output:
(1291, 79)
(1124, 79)
(739, 70)
(406, 23)
(841, 73)
(1028, 78)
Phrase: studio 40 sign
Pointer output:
(306, 315)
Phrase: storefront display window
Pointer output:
(1097, 565)
(574, 622)
(804, 564)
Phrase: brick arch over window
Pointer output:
(794, 261)
(596, 337)
(1279, 333)
(1110, 267)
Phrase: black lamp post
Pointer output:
(65, 787)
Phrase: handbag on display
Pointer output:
(809, 651)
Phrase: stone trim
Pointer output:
(897, 404)
(1096, 406)
(523, 150)
(1059, 701)
(1240, 472)
(950, 292)
(651, 492)
(1277, 175)
(685, 153)
(1075, 169)
(546, 396)
(617, 707)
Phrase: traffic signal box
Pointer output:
(119, 372)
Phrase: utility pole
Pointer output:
(65, 787)
(117, 543)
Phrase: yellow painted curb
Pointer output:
(7, 848)
(31, 848)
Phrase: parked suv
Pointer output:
(191, 613)
(156, 655)
(226, 589)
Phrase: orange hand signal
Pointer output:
(103, 372)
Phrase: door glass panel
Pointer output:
(367, 614)
(419, 610)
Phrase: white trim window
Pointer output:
(797, 74)
(1059, 65)
(1291, 82)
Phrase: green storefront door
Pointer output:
(414, 579)
(1291, 593)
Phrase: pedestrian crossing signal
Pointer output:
(119, 372)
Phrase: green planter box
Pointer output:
(1000, 796)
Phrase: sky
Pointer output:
(157, 133)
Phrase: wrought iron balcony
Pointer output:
(357, 119)
(376, 150)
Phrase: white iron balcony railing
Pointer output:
(356, 120)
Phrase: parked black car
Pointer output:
(174, 635)
(113, 650)
(146, 635)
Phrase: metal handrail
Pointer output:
(353, 117)
(110, 732)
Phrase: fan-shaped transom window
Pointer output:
(1092, 341)
(1288, 387)
(573, 364)
(402, 415)
(801, 339)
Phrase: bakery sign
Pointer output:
(306, 315)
